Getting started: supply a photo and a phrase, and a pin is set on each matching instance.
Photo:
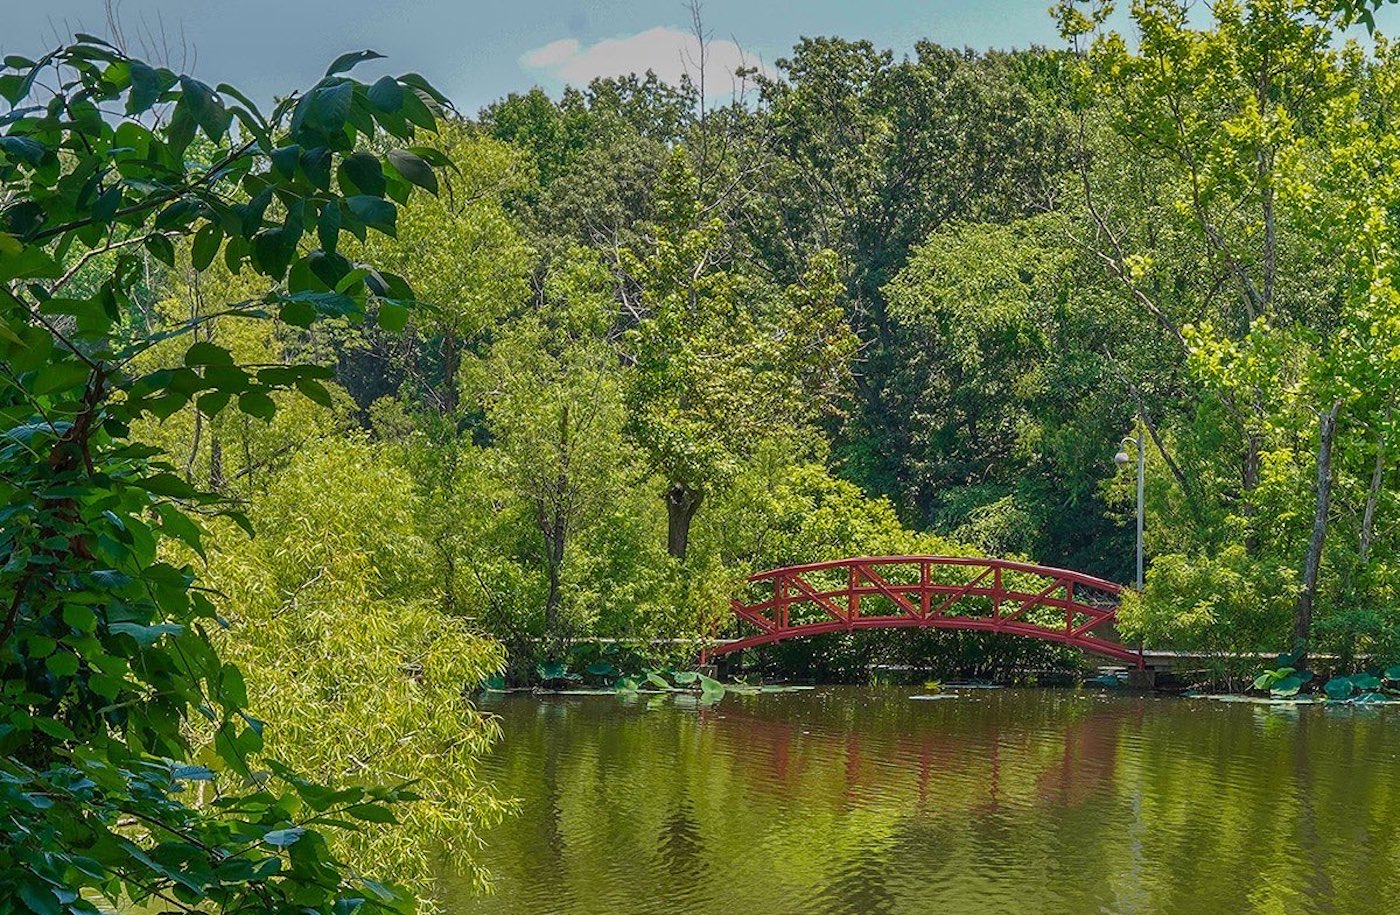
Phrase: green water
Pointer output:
(858, 800)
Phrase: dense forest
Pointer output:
(496, 390)
(872, 304)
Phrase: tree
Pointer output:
(1005, 375)
(332, 614)
(339, 626)
(721, 361)
(463, 255)
(555, 411)
(104, 641)
(870, 155)
(1215, 199)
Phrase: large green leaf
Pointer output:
(374, 212)
(710, 688)
(551, 670)
(204, 107)
(257, 403)
(362, 173)
(145, 88)
(281, 838)
(1287, 686)
(414, 169)
(1338, 687)
(207, 353)
(23, 149)
(60, 376)
(322, 112)
(1365, 682)
(372, 813)
(350, 59)
(206, 246)
(386, 94)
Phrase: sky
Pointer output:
(480, 50)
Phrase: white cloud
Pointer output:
(666, 51)
(551, 55)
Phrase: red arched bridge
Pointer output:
(930, 592)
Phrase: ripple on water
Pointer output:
(862, 801)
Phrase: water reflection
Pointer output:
(861, 800)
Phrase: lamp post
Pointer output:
(1120, 459)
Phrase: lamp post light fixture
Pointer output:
(1121, 458)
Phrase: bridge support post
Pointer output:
(1143, 678)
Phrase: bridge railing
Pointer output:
(949, 592)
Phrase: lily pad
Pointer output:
(710, 689)
(1366, 682)
(555, 670)
(1338, 688)
(1288, 686)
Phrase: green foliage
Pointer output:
(105, 642)
(1338, 688)
(464, 257)
(1362, 687)
(782, 512)
(877, 154)
(723, 361)
(586, 384)
(1223, 604)
(1282, 682)
(1000, 328)
(339, 625)
(1272, 165)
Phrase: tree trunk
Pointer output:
(1249, 473)
(1368, 516)
(194, 446)
(681, 504)
(1188, 489)
(451, 362)
(554, 561)
(1249, 478)
(216, 463)
(1302, 617)
(553, 514)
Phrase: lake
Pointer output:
(865, 800)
